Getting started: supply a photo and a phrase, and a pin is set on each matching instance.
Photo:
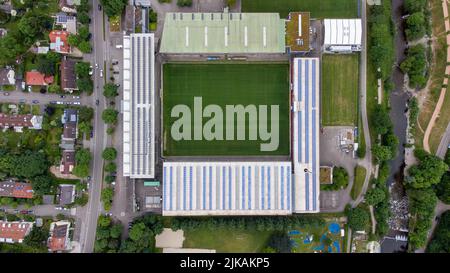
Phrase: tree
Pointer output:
(109, 116)
(81, 171)
(109, 179)
(37, 237)
(84, 127)
(85, 85)
(82, 69)
(428, 172)
(83, 157)
(116, 231)
(358, 219)
(110, 90)
(113, 7)
(440, 242)
(375, 196)
(83, 33)
(412, 6)
(381, 121)
(85, 114)
(109, 153)
(110, 167)
(281, 242)
(443, 188)
(42, 184)
(107, 198)
(85, 46)
(45, 65)
(381, 153)
(83, 17)
(73, 40)
(415, 65)
(54, 88)
(104, 221)
(415, 26)
(110, 130)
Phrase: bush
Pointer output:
(110, 167)
(340, 180)
(109, 153)
(184, 3)
(358, 219)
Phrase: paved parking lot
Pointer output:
(332, 155)
(148, 197)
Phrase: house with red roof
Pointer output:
(37, 78)
(59, 236)
(14, 232)
(11, 188)
(58, 41)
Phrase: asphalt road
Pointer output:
(367, 161)
(98, 56)
(445, 141)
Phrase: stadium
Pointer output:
(240, 113)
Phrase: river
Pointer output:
(398, 104)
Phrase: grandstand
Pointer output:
(343, 35)
(305, 119)
(223, 33)
(227, 188)
(138, 106)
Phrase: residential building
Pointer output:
(18, 122)
(69, 6)
(68, 77)
(67, 22)
(36, 78)
(66, 194)
(14, 232)
(7, 76)
(69, 120)
(59, 236)
(42, 50)
(58, 41)
(67, 162)
(11, 188)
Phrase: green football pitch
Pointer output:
(225, 84)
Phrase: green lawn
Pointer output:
(225, 84)
(318, 8)
(340, 80)
(360, 176)
(227, 240)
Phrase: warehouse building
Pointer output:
(305, 142)
(343, 35)
(138, 106)
(223, 33)
(227, 188)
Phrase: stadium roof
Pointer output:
(223, 33)
(138, 106)
(227, 188)
(343, 32)
(297, 31)
(306, 111)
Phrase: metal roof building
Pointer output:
(227, 188)
(305, 116)
(138, 106)
(223, 33)
(343, 32)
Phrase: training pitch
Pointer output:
(221, 84)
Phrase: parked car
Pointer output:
(101, 73)
(92, 133)
(62, 96)
(99, 7)
(91, 70)
(29, 88)
(26, 211)
(6, 94)
(59, 102)
(116, 72)
(97, 102)
(76, 97)
(76, 103)
(67, 102)
(35, 101)
(23, 86)
(53, 102)
(22, 100)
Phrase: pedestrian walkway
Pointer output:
(438, 107)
